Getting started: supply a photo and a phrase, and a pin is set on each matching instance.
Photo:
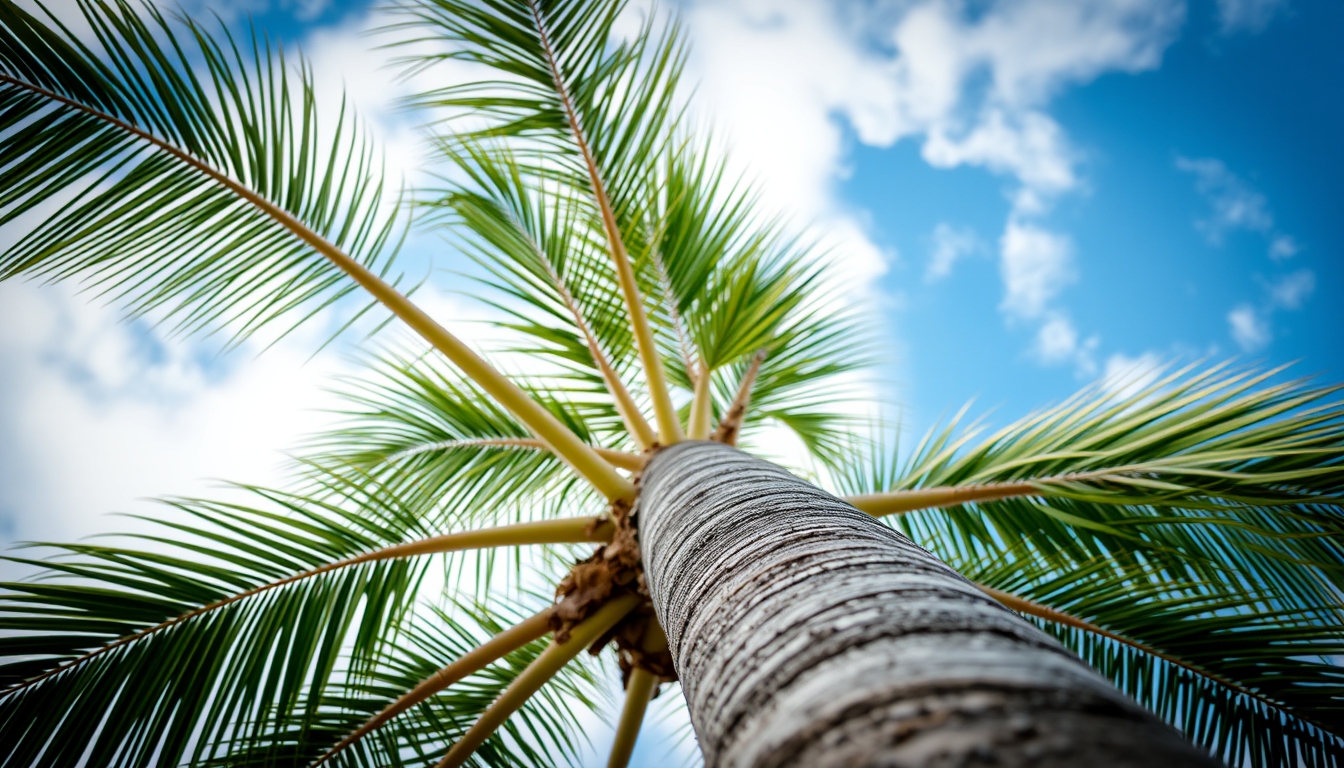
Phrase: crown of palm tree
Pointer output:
(1184, 539)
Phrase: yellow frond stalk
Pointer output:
(702, 407)
(546, 427)
(574, 530)
(571, 530)
(637, 695)
(1033, 608)
(899, 502)
(551, 661)
(634, 420)
(479, 658)
(619, 459)
(638, 692)
(669, 427)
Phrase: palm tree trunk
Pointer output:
(806, 633)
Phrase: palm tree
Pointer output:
(1101, 576)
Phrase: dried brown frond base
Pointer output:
(613, 570)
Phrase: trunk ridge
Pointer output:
(806, 633)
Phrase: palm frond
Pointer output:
(549, 663)
(1253, 684)
(544, 732)
(424, 430)
(1198, 518)
(720, 284)
(604, 106)
(540, 252)
(227, 214)
(1213, 439)
(1214, 474)
(180, 172)
(227, 675)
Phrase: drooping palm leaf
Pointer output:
(421, 428)
(1199, 517)
(1243, 673)
(544, 733)
(180, 171)
(82, 671)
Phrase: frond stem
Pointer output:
(669, 427)
(637, 694)
(635, 423)
(537, 419)
(670, 304)
(900, 502)
(619, 459)
(731, 424)
(551, 661)
(702, 406)
(478, 658)
(575, 530)
(1033, 608)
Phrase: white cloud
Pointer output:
(1058, 341)
(1248, 15)
(971, 84)
(1235, 204)
(948, 245)
(1293, 289)
(1249, 327)
(1036, 264)
(782, 78)
(99, 413)
(770, 81)
(1283, 247)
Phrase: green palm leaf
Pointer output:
(1198, 518)
(544, 733)
(720, 284)
(1243, 673)
(179, 172)
(83, 671)
(417, 427)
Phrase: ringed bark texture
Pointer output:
(805, 633)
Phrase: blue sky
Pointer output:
(1026, 194)
(1247, 117)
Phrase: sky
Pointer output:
(1028, 196)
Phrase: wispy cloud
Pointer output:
(1283, 247)
(972, 85)
(1036, 264)
(1234, 204)
(1058, 341)
(1249, 327)
(1125, 376)
(948, 245)
(1290, 291)
(1248, 15)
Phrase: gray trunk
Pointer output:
(806, 633)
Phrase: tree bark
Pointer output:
(806, 633)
